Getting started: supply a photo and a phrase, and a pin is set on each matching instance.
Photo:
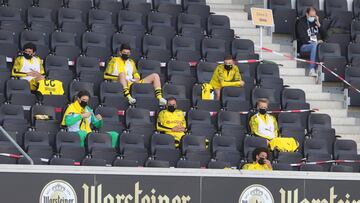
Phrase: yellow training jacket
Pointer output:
(167, 120)
(223, 78)
(117, 66)
(22, 66)
(255, 123)
(256, 167)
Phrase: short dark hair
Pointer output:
(258, 151)
(171, 99)
(228, 57)
(82, 93)
(125, 46)
(310, 9)
(30, 46)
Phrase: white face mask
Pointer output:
(311, 19)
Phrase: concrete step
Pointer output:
(233, 15)
(256, 39)
(347, 129)
(325, 96)
(285, 63)
(247, 31)
(284, 72)
(339, 113)
(298, 80)
(308, 88)
(344, 121)
(225, 4)
(326, 104)
(236, 24)
(271, 56)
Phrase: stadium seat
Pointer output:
(178, 68)
(68, 146)
(119, 38)
(282, 167)
(125, 163)
(356, 8)
(111, 121)
(62, 162)
(157, 164)
(333, 7)
(99, 146)
(354, 54)
(145, 96)
(77, 86)
(315, 146)
(224, 149)
(62, 39)
(194, 149)
(168, 33)
(132, 147)
(322, 121)
(99, 17)
(270, 94)
(188, 164)
(93, 162)
(184, 49)
(201, 10)
(188, 21)
(40, 16)
(284, 16)
(330, 55)
(130, 19)
(50, 125)
(56, 63)
(96, 45)
(228, 118)
(302, 5)
(18, 92)
(311, 168)
(346, 150)
(213, 50)
(37, 145)
(242, 46)
(163, 149)
(154, 47)
(50, 4)
(251, 143)
(237, 131)
(83, 5)
(186, 3)
(218, 165)
(289, 157)
(111, 94)
(141, 7)
(201, 104)
(234, 99)
(205, 71)
(86, 64)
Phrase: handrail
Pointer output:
(16, 145)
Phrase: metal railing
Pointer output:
(3, 131)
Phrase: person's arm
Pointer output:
(72, 119)
(236, 80)
(94, 121)
(136, 74)
(17, 68)
(276, 128)
(42, 71)
(160, 124)
(253, 125)
(109, 71)
(302, 34)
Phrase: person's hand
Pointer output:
(177, 129)
(99, 117)
(242, 83)
(320, 41)
(86, 115)
(317, 21)
(268, 163)
(33, 74)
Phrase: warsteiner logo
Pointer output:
(58, 191)
(256, 194)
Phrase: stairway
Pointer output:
(294, 73)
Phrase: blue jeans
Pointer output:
(310, 48)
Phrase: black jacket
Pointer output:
(304, 29)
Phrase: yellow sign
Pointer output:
(262, 17)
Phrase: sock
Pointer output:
(158, 93)
(127, 92)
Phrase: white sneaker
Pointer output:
(131, 100)
(162, 102)
(312, 73)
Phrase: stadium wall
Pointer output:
(64, 184)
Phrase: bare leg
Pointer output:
(124, 83)
(154, 79)
(217, 94)
(122, 80)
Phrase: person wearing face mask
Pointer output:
(123, 70)
(226, 75)
(308, 30)
(265, 125)
(171, 121)
(261, 162)
(79, 117)
(28, 66)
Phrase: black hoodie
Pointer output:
(304, 29)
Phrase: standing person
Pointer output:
(308, 30)
(261, 162)
(171, 121)
(28, 66)
(226, 75)
(123, 69)
(79, 117)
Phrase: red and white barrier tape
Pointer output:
(17, 156)
(245, 61)
(311, 62)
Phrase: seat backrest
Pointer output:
(272, 4)
(67, 139)
(153, 43)
(158, 19)
(332, 6)
(242, 46)
(269, 94)
(212, 45)
(130, 18)
(188, 20)
(11, 111)
(162, 141)
(177, 91)
(328, 50)
(183, 44)
(205, 71)
(267, 71)
(77, 86)
(292, 95)
(87, 64)
(289, 157)
(228, 118)
(344, 147)
(97, 140)
(110, 89)
(127, 2)
(317, 120)
(232, 94)
(69, 15)
(137, 116)
(7, 37)
(10, 14)
(223, 143)
(178, 68)
(354, 53)
(56, 63)
(62, 39)
(142, 90)
(352, 74)
(147, 67)
(198, 117)
(251, 143)
(35, 138)
(90, 39)
(190, 143)
(108, 114)
(315, 146)
(35, 37)
(302, 5)
(42, 110)
(17, 86)
(291, 120)
(131, 141)
(35, 14)
(119, 38)
(99, 16)
(186, 3)
(218, 22)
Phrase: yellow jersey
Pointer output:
(224, 78)
(264, 126)
(255, 166)
(167, 120)
(117, 65)
(23, 66)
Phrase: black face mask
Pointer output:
(261, 161)
(171, 108)
(27, 56)
(262, 111)
(228, 67)
(125, 57)
(83, 104)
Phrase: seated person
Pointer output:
(79, 117)
(171, 121)
(308, 30)
(265, 125)
(28, 66)
(123, 70)
(226, 75)
(261, 162)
